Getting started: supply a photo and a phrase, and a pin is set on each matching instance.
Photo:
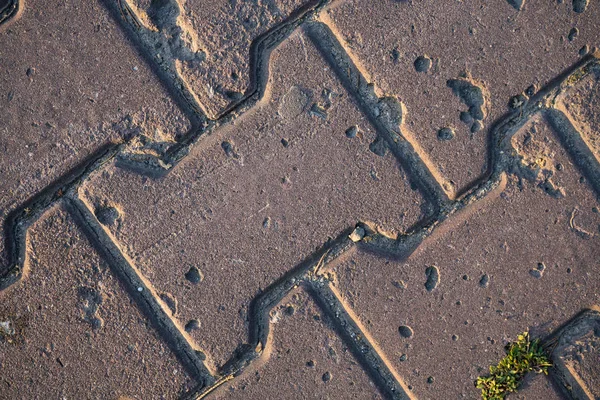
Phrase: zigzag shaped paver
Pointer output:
(307, 112)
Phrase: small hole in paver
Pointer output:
(433, 277)
(484, 281)
(194, 275)
(192, 325)
(422, 63)
(405, 331)
(445, 134)
(107, 215)
(352, 131)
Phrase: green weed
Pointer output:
(522, 356)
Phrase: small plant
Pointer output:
(522, 356)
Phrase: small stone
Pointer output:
(430, 380)
(289, 310)
(352, 131)
(326, 377)
(6, 328)
(422, 63)
(403, 357)
(379, 147)
(285, 142)
(446, 134)
(357, 234)
(405, 331)
(192, 325)
(140, 289)
(318, 111)
(455, 337)
(584, 50)
(310, 364)
(170, 301)
(194, 275)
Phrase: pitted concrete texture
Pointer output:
(504, 50)
(67, 92)
(76, 332)
(254, 198)
(297, 199)
(308, 360)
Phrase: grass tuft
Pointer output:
(522, 356)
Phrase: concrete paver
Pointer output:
(296, 199)
(505, 50)
(257, 198)
(73, 331)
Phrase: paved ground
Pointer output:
(291, 199)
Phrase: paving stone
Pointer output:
(210, 42)
(577, 355)
(67, 92)
(536, 387)
(425, 173)
(75, 331)
(505, 49)
(505, 239)
(583, 105)
(248, 212)
(306, 352)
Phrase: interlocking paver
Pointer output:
(72, 330)
(505, 49)
(66, 92)
(208, 44)
(461, 326)
(276, 154)
(308, 359)
(538, 387)
(583, 104)
(576, 354)
(257, 198)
